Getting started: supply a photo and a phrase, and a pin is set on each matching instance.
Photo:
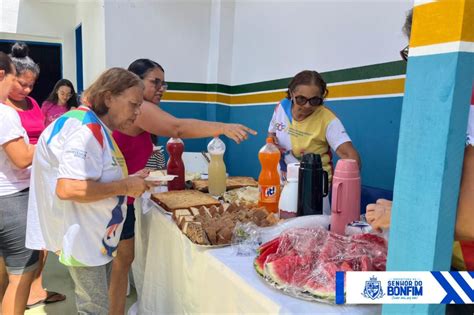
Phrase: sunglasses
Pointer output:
(159, 84)
(404, 53)
(314, 101)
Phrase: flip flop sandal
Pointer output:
(52, 297)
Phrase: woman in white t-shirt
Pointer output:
(16, 155)
(79, 184)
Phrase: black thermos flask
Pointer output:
(312, 185)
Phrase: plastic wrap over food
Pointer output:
(245, 239)
(303, 262)
(307, 221)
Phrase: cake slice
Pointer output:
(196, 233)
(179, 213)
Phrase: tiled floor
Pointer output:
(56, 278)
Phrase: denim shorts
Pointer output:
(13, 210)
(128, 230)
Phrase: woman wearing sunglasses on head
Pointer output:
(302, 124)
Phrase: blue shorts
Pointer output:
(128, 230)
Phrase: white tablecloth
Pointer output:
(174, 276)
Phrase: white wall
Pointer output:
(90, 13)
(277, 39)
(42, 21)
(221, 42)
(243, 41)
(173, 33)
(209, 41)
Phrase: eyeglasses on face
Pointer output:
(159, 84)
(313, 101)
(404, 53)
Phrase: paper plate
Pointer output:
(162, 178)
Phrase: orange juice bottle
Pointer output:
(269, 179)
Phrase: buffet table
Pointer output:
(174, 276)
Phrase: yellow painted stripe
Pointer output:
(392, 86)
(442, 21)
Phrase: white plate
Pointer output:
(163, 178)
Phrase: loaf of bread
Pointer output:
(183, 199)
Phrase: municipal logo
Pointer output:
(373, 289)
(279, 126)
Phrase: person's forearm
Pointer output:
(89, 191)
(347, 151)
(193, 128)
(19, 153)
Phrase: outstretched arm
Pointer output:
(156, 121)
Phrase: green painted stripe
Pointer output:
(358, 73)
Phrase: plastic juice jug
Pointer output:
(216, 170)
(312, 185)
(175, 166)
(269, 179)
(288, 203)
(345, 205)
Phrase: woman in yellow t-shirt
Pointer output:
(302, 124)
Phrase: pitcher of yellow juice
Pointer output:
(216, 170)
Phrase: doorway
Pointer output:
(49, 58)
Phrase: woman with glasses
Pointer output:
(62, 99)
(302, 124)
(137, 146)
(32, 119)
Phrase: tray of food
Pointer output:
(232, 182)
(183, 199)
(157, 206)
(213, 226)
(303, 262)
(242, 196)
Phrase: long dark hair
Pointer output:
(53, 96)
(141, 67)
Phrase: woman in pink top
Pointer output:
(136, 146)
(32, 120)
(28, 109)
(62, 99)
